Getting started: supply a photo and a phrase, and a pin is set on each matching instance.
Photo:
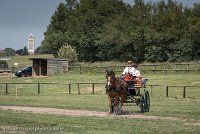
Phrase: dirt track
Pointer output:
(68, 112)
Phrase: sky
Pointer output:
(20, 18)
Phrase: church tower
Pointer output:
(31, 44)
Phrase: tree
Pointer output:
(101, 30)
(9, 51)
(38, 50)
(66, 51)
(71, 4)
(182, 51)
(25, 51)
(56, 30)
(19, 52)
(194, 30)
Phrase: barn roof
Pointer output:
(47, 59)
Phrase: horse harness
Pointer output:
(113, 87)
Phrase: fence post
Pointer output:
(80, 69)
(153, 69)
(167, 91)
(92, 88)
(188, 66)
(38, 88)
(184, 90)
(164, 69)
(78, 88)
(69, 88)
(6, 88)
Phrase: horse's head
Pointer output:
(110, 75)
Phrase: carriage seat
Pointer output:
(144, 81)
(131, 87)
(138, 83)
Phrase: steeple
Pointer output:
(31, 44)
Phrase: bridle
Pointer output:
(111, 81)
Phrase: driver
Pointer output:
(130, 70)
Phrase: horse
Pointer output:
(116, 90)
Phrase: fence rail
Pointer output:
(38, 85)
(86, 83)
(97, 83)
(167, 89)
(175, 67)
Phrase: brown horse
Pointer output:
(116, 90)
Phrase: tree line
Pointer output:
(11, 52)
(105, 30)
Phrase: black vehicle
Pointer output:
(25, 72)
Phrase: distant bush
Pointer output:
(3, 65)
(67, 52)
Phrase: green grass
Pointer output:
(182, 79)
(91, 125)
(181, 108)
(24, 60)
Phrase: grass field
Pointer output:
(56, 96)
(88, 125)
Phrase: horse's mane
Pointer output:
(119, 83)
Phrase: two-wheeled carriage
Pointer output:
(127, 89)
(138, 93)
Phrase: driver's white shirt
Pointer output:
(129, 70)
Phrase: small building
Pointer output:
(45, 67)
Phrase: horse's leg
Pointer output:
(109, 105)
(123, 97)
(116, 104)
(124, 93)
(120, 104)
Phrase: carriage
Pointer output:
(137, 93)
(127, 89)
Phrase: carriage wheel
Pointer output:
(142, 104)
(147, 101)
(120, 106)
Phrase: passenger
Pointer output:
(138, 78)
(137, 72)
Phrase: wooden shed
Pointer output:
(45, 67)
